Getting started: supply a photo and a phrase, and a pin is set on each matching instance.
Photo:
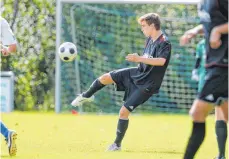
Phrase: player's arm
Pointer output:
(188, 35)
(9, 44)
(215, 36)
(150, 61)
(163, 53)
(6, 50)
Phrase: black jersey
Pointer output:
(213, 13)
(150, 77)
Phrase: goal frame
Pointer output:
(59, 4)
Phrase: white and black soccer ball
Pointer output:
(67, 51)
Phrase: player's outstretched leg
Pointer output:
(80, 99)
(88, 95)
(95, 86)
(11, 142)
(123, 123)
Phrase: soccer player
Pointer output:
(138, 83)
(8, 46)
(198, 74)
(214, 18)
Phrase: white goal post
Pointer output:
(59, 4)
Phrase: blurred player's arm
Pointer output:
(6, 50)
(9, 44)
(188, 35)
(215, 37)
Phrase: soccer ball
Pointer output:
(67, 52)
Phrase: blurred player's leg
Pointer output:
(4, 130)
(12, 136)
(221, 130)
(199, 112)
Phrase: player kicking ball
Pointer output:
(138, 83)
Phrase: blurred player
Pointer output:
(214, 18)
(8, 46)
(198, 74)
(139, 83)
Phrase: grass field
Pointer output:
(67, 136)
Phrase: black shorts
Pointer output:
(215, 89)
(123, 82)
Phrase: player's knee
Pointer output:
(219, 114)
(191, 113)
(105, 78)
(225, 117)
(194, 115)
(197, 116)
(124, 113)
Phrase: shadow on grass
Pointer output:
(153, 151)
(6, 156)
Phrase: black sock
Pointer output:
(221, 134)
(121, 130)
(195, 140)
(95, 86)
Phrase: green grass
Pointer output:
(60, 136)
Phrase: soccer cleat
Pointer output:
(11, 142)
(114, 147)
(79, 100)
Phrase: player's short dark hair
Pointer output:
(151, 18)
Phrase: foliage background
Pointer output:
(33, 22)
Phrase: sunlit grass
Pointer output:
(60, 136)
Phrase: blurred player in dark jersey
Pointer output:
(214, 24)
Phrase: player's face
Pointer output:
(146, 29)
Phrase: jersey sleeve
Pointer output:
(165, 50)
(7, 36)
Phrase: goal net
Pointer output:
(104, 34)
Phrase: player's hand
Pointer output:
(195, 76)
(215, 40)
(133, 57)
(188, 35)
